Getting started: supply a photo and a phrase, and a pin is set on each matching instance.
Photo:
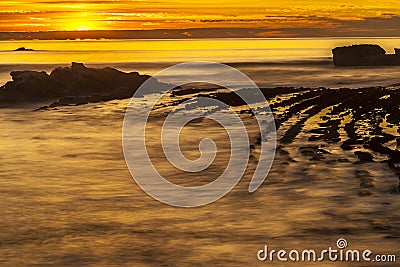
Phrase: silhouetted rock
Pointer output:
(314, 152)
(73, 85)
(23, 49)
(30, 86)
(364, 55)
(364, 156)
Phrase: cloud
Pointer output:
(148, 23)
(269, 18)
(267, 34)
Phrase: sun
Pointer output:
(83, 29)
(81, 22)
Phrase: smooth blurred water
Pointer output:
(270, 62)
(67, 198)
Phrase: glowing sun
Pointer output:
(83, 29)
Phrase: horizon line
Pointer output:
(184, 33)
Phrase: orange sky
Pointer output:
(281, 17)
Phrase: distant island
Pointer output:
(23, 49)
(364, 55)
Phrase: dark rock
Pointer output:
(346, 146)
(96, 98)
(73, 85)
(54, 104)
(314, 137)
(80, 80)
(364, 156)
(310, 151)
(317, 157)
(392, 236)
(313, 152)
(42, 108)
(30, 86)
(323, 151)
(364, 55)
(230, 98)
(23, 49)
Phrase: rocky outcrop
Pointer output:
(72, 85)
(30, 86)
(364, 55)
(23, 49)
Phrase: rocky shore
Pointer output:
(361, 124)
(362, 121)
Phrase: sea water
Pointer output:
(269, 62)
(67, 197)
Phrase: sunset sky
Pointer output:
(277, 17)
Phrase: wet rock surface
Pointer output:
(364, 123)
(364, 156)
(361, 122)
(360, 113)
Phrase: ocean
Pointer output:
(68, 198)
(269, 62)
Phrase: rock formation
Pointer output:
(364, 55)
(23, 49)
(72, 85)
